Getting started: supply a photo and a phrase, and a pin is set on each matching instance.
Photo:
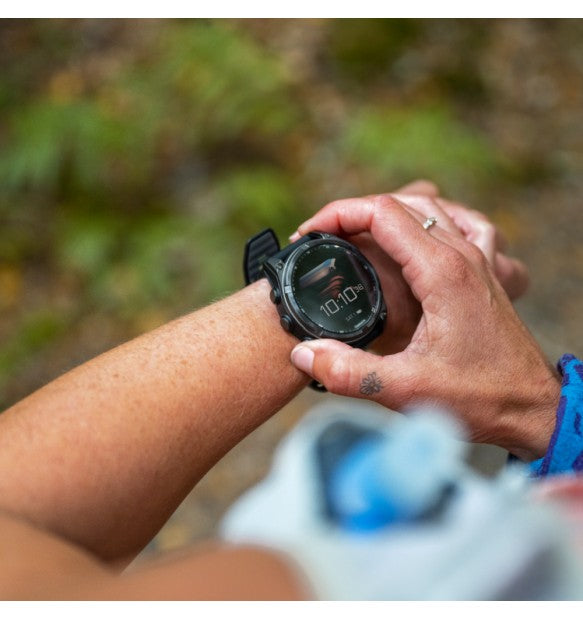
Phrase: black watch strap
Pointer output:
(258, 249)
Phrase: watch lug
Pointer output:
(270, 270)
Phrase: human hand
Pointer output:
(472, 225)
(470, 351)
(404, 310)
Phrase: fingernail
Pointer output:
(304, 227)
(294, 237)
(302, 358)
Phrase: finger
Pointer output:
(424, 209)
(420, 187)
(482, 233)
(416, 203)
(477, 228)
(512, 274)
(396, 230)
(472, 222)
(348, 371)
(348, 216)
(428, 207)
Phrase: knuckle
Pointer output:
(339, 375)
(456, 265)
(334, 204)
(341, 208)
(381, 206)
(476, 255)
(382, 202)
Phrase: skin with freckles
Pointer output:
(103, 455)
(95, 462)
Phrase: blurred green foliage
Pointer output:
(137, 156)
(364, 50)
(424, 141)
(31, 335)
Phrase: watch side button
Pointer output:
(285, 322)
(275, 295)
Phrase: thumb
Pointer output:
(349, 371)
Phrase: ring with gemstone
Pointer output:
(429, 222)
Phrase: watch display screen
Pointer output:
(334, 288)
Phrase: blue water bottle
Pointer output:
(395, 477)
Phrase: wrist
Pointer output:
(268, 326)
(531, 424)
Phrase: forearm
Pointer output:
(36, 565)
(211, 572)
(103, 455)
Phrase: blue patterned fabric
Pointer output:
(565, 452)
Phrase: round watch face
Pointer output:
(335, 288)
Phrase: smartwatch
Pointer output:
(321, 285)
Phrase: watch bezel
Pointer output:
(302, 320)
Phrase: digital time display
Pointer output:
(334, 288)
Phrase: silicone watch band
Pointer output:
(258, 249)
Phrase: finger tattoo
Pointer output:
(371, 384)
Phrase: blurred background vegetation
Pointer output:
(136, 156)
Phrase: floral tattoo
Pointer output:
(371, 384)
